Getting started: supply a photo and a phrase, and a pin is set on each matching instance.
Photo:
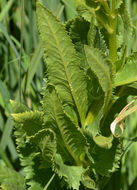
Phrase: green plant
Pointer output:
(32, 67)
(68, 143)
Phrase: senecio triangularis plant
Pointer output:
(74, 141)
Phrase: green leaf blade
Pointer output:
(71, 174)
(31, 122)
(106, 161)
(63, 70)
(46, 139)
(126, 18)
(129, 72)
(71, 136)
(102, 69)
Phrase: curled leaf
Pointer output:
(124, 113)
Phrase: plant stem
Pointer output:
(112, 36)
(112, 43)
(49, 182)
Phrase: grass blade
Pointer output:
(33, 65)
(6, 133)
(6, 9)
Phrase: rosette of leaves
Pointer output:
(68, 144)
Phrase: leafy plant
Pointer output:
(68, 143)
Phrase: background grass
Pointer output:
(22, 71)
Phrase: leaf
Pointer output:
(130, 89)
(86, 8)
(30, 157)
(102, 68)
(119, 64)
(41, 176)
(118, 3)
(88, 3)
(7, 36)
(87, 181)
(63, 69)
(89, 9)
(78, 31)
(83, 10)
(4, 95)
(123, 11)
(46, 140)
(31, 122)
(126, 111)
(126, 77)
(133, 85)
(10, 179)
(106, 161)
(99, 42)
(91, 33)
(5, 138)
(85, 13)
(33, 65)
(50, 122)
(96, 37)
(103, 142)
(71, 136)
(70, 8)
(18, 107)
(5, 10)
(71, 174)
(92, 124)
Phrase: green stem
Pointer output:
(112, 43)
(49, 182)
(112, 36)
